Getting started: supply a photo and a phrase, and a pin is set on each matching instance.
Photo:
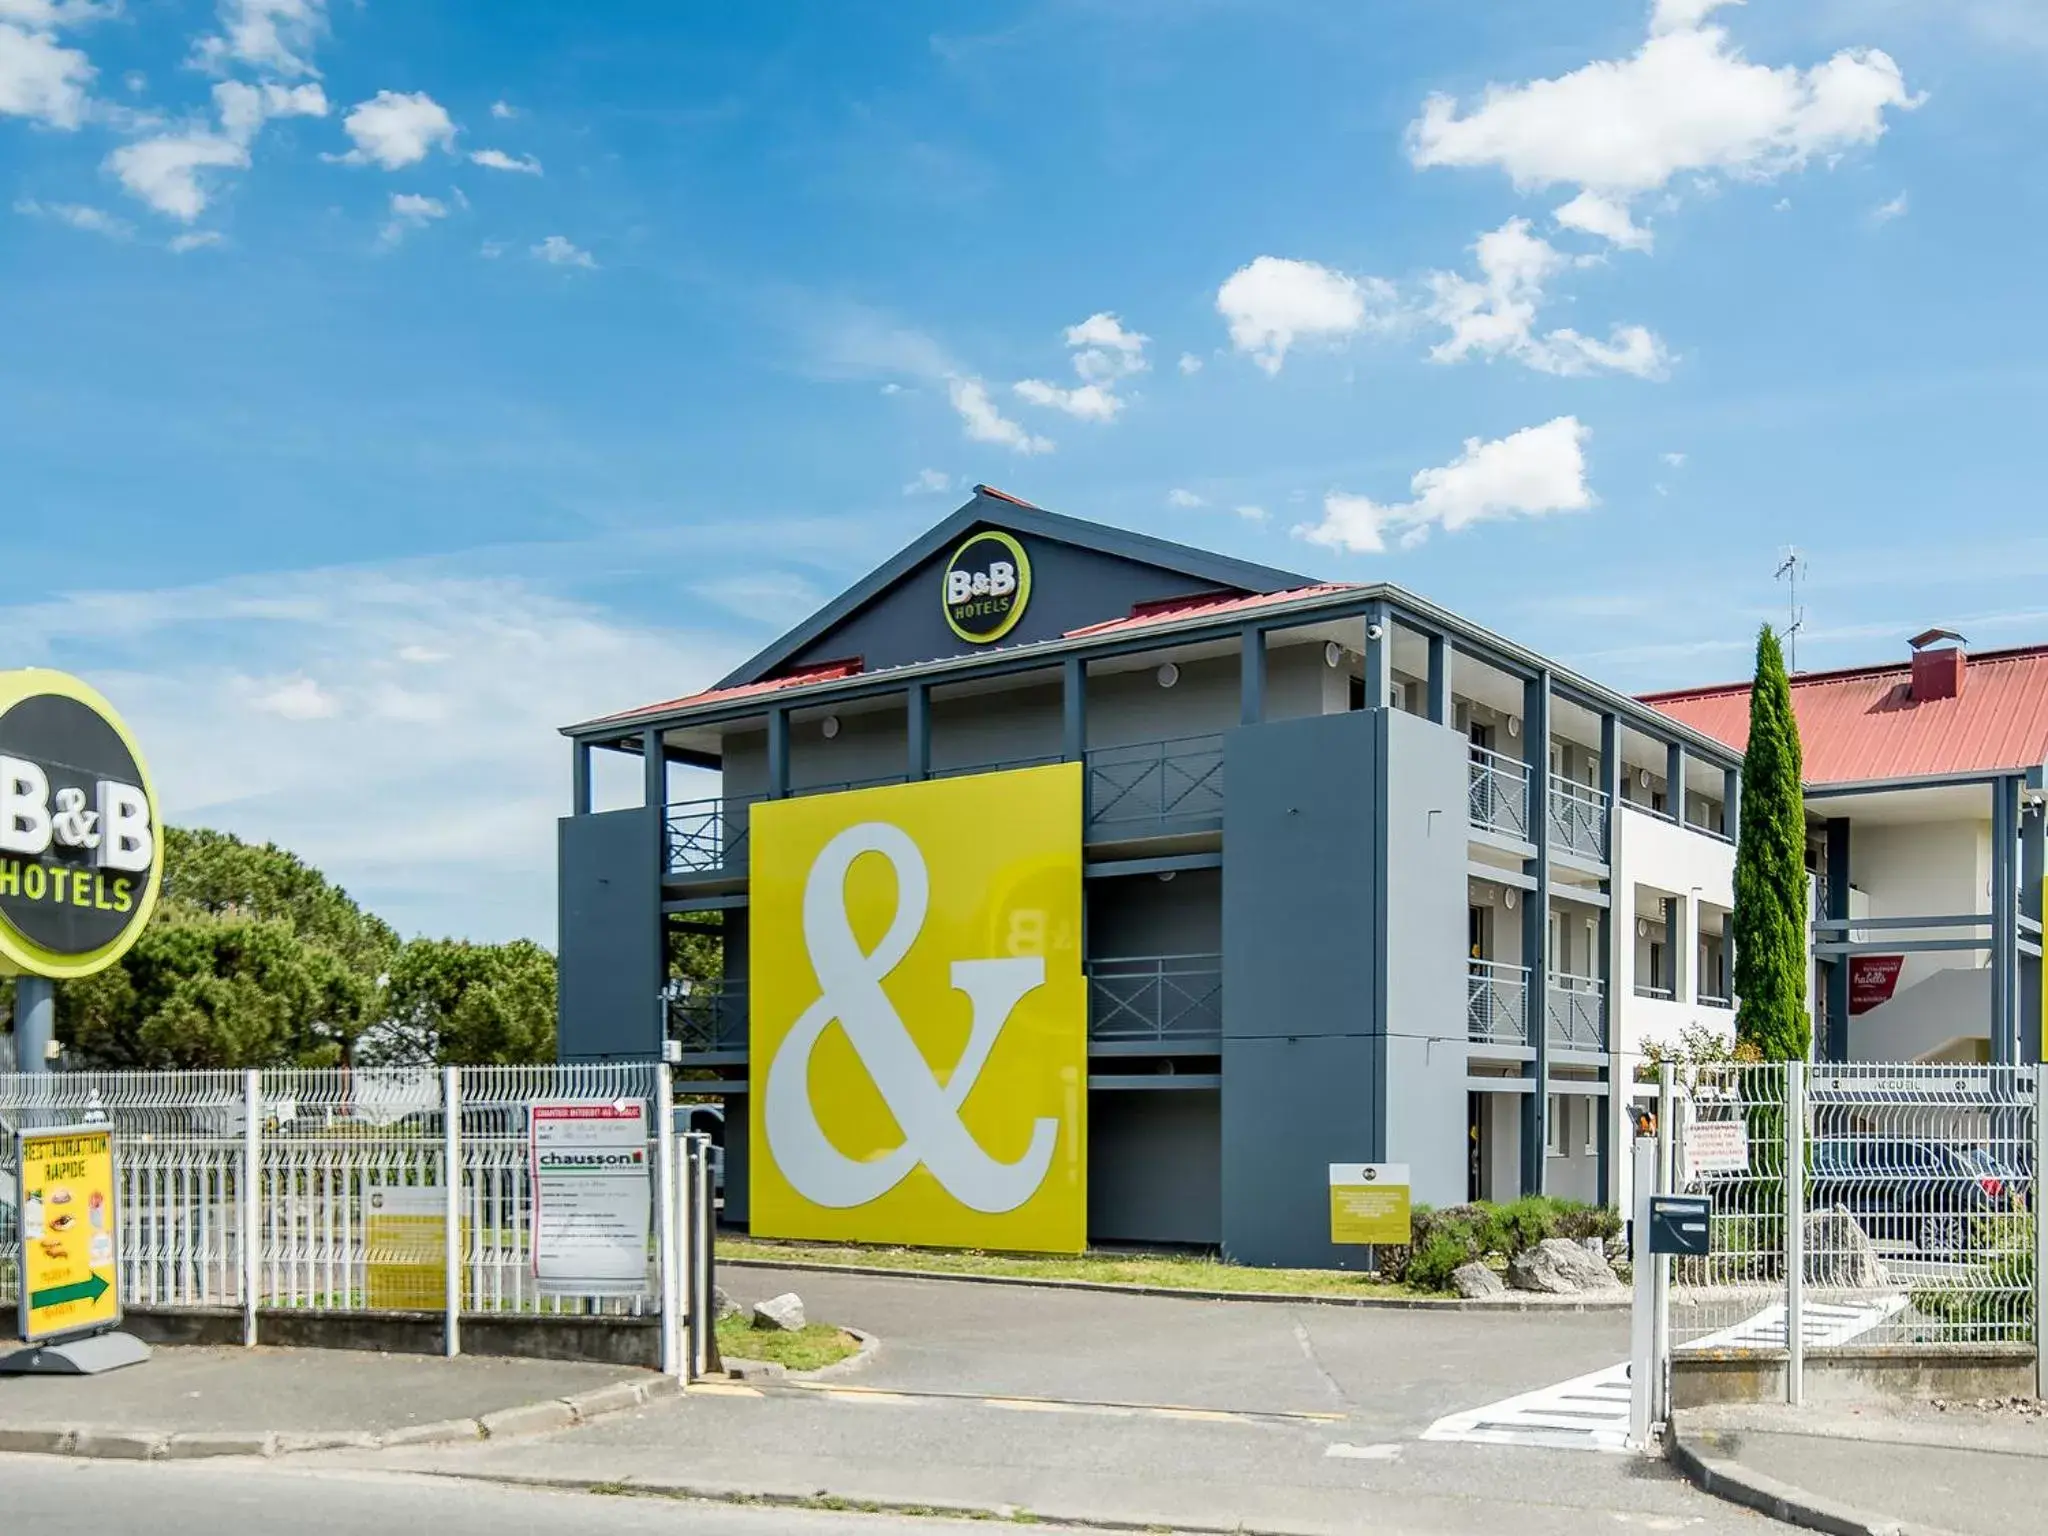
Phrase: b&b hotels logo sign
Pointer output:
(81, 853)
(919, 1031)
(988, 583)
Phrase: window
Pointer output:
(1560, 1137)
(1475, 931)
(1594, 1109)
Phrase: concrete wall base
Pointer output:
(605, 1340)
(1908, 1373)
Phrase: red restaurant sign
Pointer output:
(1872, 980)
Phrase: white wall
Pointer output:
(1922, 869)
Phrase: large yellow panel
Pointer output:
(919, 1036)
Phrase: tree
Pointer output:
(216, 872)
(466, 1004)
(1770, 918)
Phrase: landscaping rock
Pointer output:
(1558, 1266)
(1476, 1279)
(722, 1304)
(1839, 1252)
(784, 1312)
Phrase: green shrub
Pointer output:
(1447, 1249)
(1439, 1241)
(1996, 1297)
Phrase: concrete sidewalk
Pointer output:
(233, 1401)
(1882, 1468)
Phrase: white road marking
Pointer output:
(1590, 1413)
(1388, 1452)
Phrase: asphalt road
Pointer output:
(41, 1493)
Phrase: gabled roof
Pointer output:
(1862, 724)
(989, 505)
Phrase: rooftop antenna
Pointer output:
(1789, 571)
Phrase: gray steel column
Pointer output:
(778, 754)
(1251, 662)
(2033, 870)
(654, 767)
(1610, 785)
(1836, 1038)
(917, 713)
(1074, 709)
(1674, 781)
(1439, 680)
(579, 778)
(1536, 933)
(1379, 657)
(35, 1022)
(2004, 920)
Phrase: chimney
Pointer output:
(1937, 669)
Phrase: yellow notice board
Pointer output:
(1369, 1203)
(70, 1238)
(919, 1021)
(405, 1235)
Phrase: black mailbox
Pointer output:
(1678, 1224)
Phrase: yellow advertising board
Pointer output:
(405, 1242)
(919, 1035)
(1369, 1203)
(70, 1235)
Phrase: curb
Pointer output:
(740, 1368)
(1727, 1479)
(1531, 1303)
(164, 1445)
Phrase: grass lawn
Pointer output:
(814, 1346)
(1173, 1271)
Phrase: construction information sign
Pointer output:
(591, 1198)
(70, 1248)
(1369, 1203)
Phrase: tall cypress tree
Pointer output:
(1770, 919)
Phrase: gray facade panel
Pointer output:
(1301, 839)
(610, 970)
(1155, 1166)
(1292, 1107)
(1424, 924)
(984, 728)
(1070, 587)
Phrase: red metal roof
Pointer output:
(1862, 723)
(1149, 615)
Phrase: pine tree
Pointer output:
(1770, 918)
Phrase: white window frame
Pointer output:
(1559, 1139)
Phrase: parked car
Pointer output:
(1931, 1194)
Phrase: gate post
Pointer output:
(665, 1217)
(252, 1210)
(451, 1211)
(2040, 1230)
(1795, 1233)
(1642, 1369)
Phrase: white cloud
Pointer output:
(1592, 214)
(1494, 315)
(1686, 101)
(395, 129)
(1675, 460)
(928, 482)
(1274, 302)
(502, 110)
(1104, 354)
(48, 15)
(410, 211)
(354, 662)
(78, 216)
(986, 424)
(1529, 473)
(42, 80)
(491, 250)
(1189, 363)
(1886, 212)
(273, 35)
(1251, 514)
(165, 171)
(1184, 499)
(498, 160)
(559, 251)
(196, 241)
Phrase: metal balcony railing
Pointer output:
(1157, 998)
(708, 836)
(1497, 1002)
(709, 1017)
(1715, 1000)
(1577, 1010)
(1156, 781)
(1498, 797)
(1655, 993)
(1578, 818)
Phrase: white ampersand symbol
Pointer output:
(74, 825)
(850, 983)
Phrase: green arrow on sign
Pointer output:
(79, 1290)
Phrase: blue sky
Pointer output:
(383, 385)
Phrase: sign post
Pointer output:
(70, 1256)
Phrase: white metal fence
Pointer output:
(251, 1191)
(1858, 1203)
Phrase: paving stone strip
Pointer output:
(164, 1445)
